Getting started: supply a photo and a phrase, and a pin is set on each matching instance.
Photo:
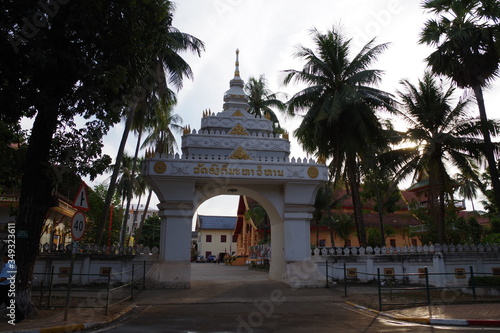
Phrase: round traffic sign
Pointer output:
(78, 226)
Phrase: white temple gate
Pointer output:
(236, 153)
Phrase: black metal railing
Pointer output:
(92, 295)
(413, 289)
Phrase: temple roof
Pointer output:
(234, 133)
(217, 222)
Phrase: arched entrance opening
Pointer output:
(236, 153)
(236, 229)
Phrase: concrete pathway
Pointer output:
(237, 286)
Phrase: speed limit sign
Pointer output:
(78, 226)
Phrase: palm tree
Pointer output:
(466, 36)
(468, 185)
(340, 101)
(261, 101)
(444, 135)
(126, 183)
(160, 139)
(169, 69)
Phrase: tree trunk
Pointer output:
(332, 236)
(134, 218)
(114, 176)
(36, 192)
(317, 233)
(356, 199)
(380, 217)
(129, 193)
(488, 146)
(143, 218)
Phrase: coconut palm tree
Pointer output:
(444, 135)
(160, 139)
(339, 104)
(126, 182)
(168, 70)
(468, 185)
(466, 35)
(262, 100)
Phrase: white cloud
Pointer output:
(267, 32)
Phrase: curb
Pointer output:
(433, 321)
(77, 327)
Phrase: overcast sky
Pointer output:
(267, 33)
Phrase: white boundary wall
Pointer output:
(455, 261)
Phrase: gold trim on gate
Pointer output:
(313, 172)
(160, 167)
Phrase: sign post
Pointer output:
(78, 225)
(81, 203)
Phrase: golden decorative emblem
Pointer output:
(238, 130)
(239, 154)
(237, 113)
(313, 172)
(160, 167)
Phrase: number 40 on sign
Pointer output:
(78, 226)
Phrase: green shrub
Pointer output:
(486, 281)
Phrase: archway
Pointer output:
(236, 153)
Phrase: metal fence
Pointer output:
(95, 296)
(413, 289)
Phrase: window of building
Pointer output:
(322, 243)
(208, 238)
(208, 254)
(223, 238)
(414, 241)
(496, 271)
(235, 239)
(392, 241)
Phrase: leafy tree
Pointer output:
(444, 135)
(375, 235)
(13, 151)
(167, 68)
(340, 102)
(96, 203)
(379, 186)
(83, 58)
(326, 200)
(344, 226)
(466, 35)
(261, 220)
(262, 100)
(150, 235)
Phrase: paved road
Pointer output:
(233, 299)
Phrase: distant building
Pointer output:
(215, 235)
(136, 212)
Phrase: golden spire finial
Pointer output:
(237, 64)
